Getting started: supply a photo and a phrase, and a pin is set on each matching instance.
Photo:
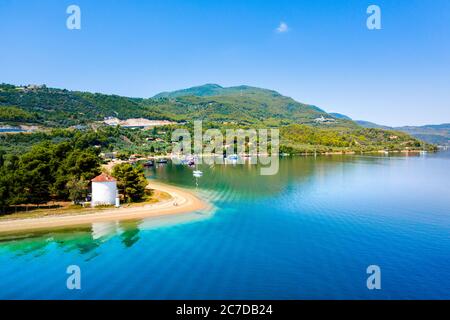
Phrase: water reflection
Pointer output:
(246, 179)
(87, 239)
(130, 233)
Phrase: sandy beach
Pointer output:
(182, 201)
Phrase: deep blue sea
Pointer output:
(308, 232)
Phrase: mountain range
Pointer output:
(242, 105)
(239, 106)
(434, 133)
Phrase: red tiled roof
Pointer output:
(103, 178)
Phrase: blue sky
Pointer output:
(327, 57)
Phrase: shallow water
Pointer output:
(308, 232)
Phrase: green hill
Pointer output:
(304, 127)
(434, 133)
(217, 90)
(201, 91)
(301, 138)
(242, 105)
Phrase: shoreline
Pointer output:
(185, 202)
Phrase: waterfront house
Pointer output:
(104, 191)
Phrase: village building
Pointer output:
(322, 119)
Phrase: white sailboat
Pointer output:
(197, 173)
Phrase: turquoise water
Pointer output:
(307, 233)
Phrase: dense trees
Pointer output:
(59, 165)
(11, 189)
(78, 189)
(302, 138)
(13, 114)
(131, 181)
(243, 105)
(104, 139)
(62, 108)
(45, 172)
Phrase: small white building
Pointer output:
(104, 191)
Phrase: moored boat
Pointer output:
(233, 157)
(148, 163)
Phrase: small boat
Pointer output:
(162, 161)
(198, 172)
(233, 157)
(148, 163)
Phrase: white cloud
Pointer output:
(283, 27)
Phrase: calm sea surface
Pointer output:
(308, 232)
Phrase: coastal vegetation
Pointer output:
(59, 165)
(303, 139)
(10, 114)
(131, 181)
(102, 138)
(44, 172)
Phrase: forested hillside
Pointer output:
(241, 105)
(304, 127)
